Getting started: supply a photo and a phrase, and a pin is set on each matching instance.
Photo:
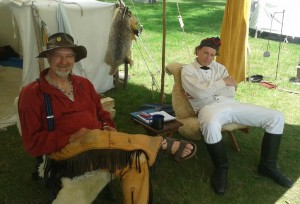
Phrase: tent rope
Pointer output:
(140, 37)
(154, 81)
(183, 32)
(137, 16)
(71, 2)
(148, 54)
(41, 33)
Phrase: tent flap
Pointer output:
(276, 16)
(234, 38)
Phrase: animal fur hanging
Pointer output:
(123, 31)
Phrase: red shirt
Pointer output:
(69, 116)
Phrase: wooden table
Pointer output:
(169, 129)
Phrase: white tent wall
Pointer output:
(90, 21)
(9, 35)
(266, 10)
(23, 19)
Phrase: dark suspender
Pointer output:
(50, 116)
(50, 121)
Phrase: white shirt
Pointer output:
(206, 86)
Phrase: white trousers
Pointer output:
(214, 116)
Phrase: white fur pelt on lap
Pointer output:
(82, 189)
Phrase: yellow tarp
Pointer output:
(234, 38)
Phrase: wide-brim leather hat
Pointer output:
(64, 40)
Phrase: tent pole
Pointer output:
(162, 97)
(35, 17)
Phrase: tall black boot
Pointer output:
(220, 161)
(267, 166)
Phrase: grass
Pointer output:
(188, 182)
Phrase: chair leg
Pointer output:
(232, 137)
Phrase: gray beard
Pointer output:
(62, 74)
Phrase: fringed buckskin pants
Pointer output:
(127, 156)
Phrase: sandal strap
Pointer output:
(170, 142)
(178, 155)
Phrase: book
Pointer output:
(167, 116)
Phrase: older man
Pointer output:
(61, 116)
(211, 92)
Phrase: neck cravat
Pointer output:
(204, 67)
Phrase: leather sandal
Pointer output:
(178, 154)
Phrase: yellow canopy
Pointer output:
(234, 38)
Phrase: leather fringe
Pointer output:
(91, 160)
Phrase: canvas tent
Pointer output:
(89, 23)
(267, 16)
(234, 37)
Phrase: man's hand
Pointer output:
(78, 134)
(230, 82)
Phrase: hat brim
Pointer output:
(79, 50)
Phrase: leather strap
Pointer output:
(50, 116)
